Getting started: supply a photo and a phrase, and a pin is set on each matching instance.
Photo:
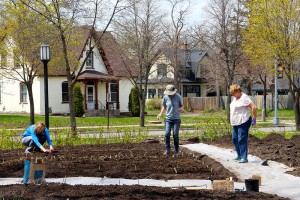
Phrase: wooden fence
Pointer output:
(203, 103)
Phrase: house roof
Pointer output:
(115, 60)
(95, 75)
(188, 57)
(282, 84)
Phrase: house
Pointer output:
(104, 80)
(192, 84)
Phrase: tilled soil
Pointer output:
(273, 147)
(143, 160)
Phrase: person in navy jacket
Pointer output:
(35, 136)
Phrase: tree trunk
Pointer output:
(72, 111)
(31, 102)
(297, 111)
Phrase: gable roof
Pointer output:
(115, 60)
(187, 57)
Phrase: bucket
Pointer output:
(252, 185)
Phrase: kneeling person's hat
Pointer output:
(170, 90)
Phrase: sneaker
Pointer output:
(26, 151)
(237, 158)
(177, 153)
(167, 153)
(243, 160)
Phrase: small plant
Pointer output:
(154, 103)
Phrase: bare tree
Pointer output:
(139, 33)
(222, 35)
(65, 16)
(174, 34)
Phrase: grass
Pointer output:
(206, 125)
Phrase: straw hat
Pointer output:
(170, 90)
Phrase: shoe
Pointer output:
(237, 158)
(243, 160)
(26, 151)
(167, 153)
(177, 153)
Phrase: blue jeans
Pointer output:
(240, 138)
(169, 124)
(29, 143)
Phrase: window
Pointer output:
(113, 92)
(160, 93)
(3, 60)
(161, 70)
(23, 93)
(191, 91)
(89, 61)
(151, 93)
(65, 92)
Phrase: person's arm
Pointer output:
(162, 110)
(181, 108)
(49, 141)
(253, 108)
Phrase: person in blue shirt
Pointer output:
(35, 136)
(172, 104)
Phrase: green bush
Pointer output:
(154, 103)
(134, 102)
(78, 100)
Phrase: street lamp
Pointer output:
(45, 57)
(276, 119)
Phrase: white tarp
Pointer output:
(274, 178)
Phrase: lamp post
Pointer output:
(45, 57)
(276, 119)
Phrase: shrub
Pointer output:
(154, 103)
(134, 102)
(78, 100)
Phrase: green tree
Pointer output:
(273, 36)
(22, 32)
(134, 103)
(78, 100)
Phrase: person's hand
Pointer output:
(51, 149)
(181, 110)
(159, 116)
(253, 121)
(46, 151)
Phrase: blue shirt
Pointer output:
(30, 132)
(172, 105)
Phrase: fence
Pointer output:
(203, 103)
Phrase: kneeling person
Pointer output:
(35, 136)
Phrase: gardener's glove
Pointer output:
(253, 121)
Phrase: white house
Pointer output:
(104, 80)
(192, 84)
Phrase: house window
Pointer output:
(3, 60)
(89, 61)
(160, 93)
(151, 93)
(113, 92)
(191, 91)
(161, 70)
(65, 92)
(23, 93)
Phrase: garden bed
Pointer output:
(143, 160)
